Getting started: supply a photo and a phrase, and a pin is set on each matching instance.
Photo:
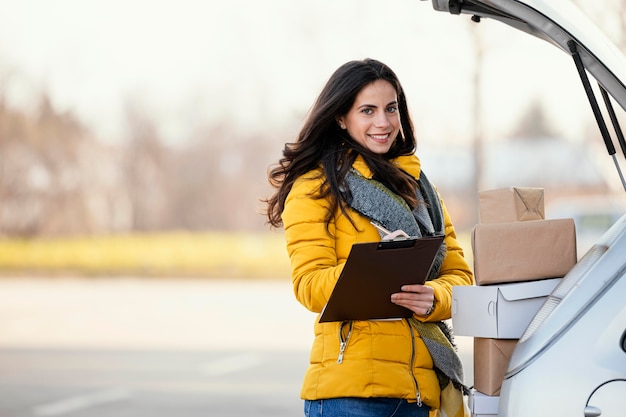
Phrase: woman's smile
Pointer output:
(380, 137)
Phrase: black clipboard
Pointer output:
(373, 272)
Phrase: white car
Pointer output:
(571, 361)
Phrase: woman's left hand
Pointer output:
(417, 298)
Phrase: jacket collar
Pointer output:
(409, 163)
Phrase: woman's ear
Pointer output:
(340, 123)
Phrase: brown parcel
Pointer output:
(491, 358)
(523, 251)
(511, 204)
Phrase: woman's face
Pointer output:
(374, 120)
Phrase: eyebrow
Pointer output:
(391, 103)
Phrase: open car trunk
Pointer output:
(571, 360)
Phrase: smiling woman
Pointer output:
(351, 168)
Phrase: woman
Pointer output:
(352, 170)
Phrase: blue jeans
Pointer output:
(364, 407)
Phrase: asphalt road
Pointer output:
(129, 347)
(149, 383)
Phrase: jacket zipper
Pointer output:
(418, 396)
(343, 342)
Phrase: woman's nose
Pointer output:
(382, 120)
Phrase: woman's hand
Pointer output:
(420, 299)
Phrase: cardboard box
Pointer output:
(498, 311)
(482, 405)
(511, 204)
(523, 251)
(491, 359)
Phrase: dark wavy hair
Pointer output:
(322, 142)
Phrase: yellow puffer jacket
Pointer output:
(380, 358)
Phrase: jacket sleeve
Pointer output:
(311, 249)
(454, 271)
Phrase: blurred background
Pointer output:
(135, 138)
(136, 116)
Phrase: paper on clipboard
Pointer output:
(373, 272)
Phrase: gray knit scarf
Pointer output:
(376, 202)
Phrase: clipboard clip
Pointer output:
(389, 235)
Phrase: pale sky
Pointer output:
(260, 64)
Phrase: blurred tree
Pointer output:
(533, 124)
(147, 171)
(220, 177)
(55, 178)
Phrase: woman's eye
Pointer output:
(367, 111)
(392, 109)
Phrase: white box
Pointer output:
(498, 311)
(483, 405)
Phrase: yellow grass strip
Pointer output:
(198, 254)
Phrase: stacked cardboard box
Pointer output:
(519, 258)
